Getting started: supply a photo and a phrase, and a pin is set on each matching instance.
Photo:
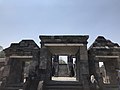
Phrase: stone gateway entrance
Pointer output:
(71, 46)
(30, 67)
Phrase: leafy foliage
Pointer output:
(1, 48)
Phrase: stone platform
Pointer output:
(64, 78)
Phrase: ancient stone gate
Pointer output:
(75, 46)
(29, 66)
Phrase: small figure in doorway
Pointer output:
(94, 82)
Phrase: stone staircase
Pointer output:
(13, 87)
(63, 85)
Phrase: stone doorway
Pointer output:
(108, 70)
(71, 46)
(63, 68)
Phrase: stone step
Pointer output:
(63, 85)
(63, 88)
(11, 88)
(14, 87)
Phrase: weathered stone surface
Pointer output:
(2, 63)
(103, 50)
(17, 54)
(63, 39)
(71, 46)
(43, 60)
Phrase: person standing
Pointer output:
(94, 83)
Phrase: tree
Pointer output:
(1, 48)
(2, 54)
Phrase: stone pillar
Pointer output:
(45, 65)
(84, 68)
(118, 71)
(118, 66)
(111, 72)
(98, 74)
(70, 66)
(97, 70)
(55, 65)
(16, 71)
(77, 63)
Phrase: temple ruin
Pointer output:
(31, 67)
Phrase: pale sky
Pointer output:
(27, 19)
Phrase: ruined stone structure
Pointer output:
(105, 51)
(30, 67)
(65, 45)
(16, 56)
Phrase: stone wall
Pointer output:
(16, 57)
(40, 67)
(2, 63)
(103, 50)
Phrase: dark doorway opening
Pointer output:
(63, 68)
